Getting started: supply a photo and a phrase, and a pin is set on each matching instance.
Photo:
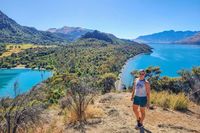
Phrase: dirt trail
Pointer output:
(119, 117)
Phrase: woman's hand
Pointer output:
(131, 98)
(148, 105)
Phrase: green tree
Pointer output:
(107, 81)
(192, 83)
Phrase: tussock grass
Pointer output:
(170, 100)
(93, 112)
(70, 116)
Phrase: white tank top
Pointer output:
(140, 89)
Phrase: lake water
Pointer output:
(24, 79)
(169, 57)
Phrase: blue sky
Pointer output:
(123, 18)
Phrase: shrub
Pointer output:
(180, 102)
(90, 112)
(57, 86)
(79, 96)
(192, 82)
(108, 82)
(170, 100)
(20, 113)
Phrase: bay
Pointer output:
(24, 79)
(169, 57)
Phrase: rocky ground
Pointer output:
(118, 117)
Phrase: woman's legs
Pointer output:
(142, 110)
(136, 111)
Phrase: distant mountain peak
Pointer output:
(66, 29)
(168, 36)
(70, 33)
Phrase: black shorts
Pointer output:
(140, 101)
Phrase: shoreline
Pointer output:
(123, 67)
(170, 74)
(132, 58)
(20, 67)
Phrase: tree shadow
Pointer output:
(184, 129)
(187, 111)
(82, 126)
(144, 130)
(79, 126)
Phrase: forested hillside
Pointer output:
(12, 32)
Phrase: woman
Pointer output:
(140, 97)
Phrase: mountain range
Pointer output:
(195, 39)
(69, 33)
(171, 36)
(12, 32)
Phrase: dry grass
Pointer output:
(19, 46)
(52, 128)
(182, 122)
(170, 100)
(91, 112)
(11, 48)
(53, 122)
(16, 48)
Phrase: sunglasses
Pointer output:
(142, 73)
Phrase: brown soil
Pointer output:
(118, 117)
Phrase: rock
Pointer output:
(113, 112)
(94, 121)
(105, 99)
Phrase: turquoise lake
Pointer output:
(24, 78)
(169, 57)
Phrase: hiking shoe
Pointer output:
(138, 124)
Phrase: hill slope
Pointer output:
(106, 37)
(70, 33)
(194, 39)
(170, 36)
(12, 32)
(118, 117)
